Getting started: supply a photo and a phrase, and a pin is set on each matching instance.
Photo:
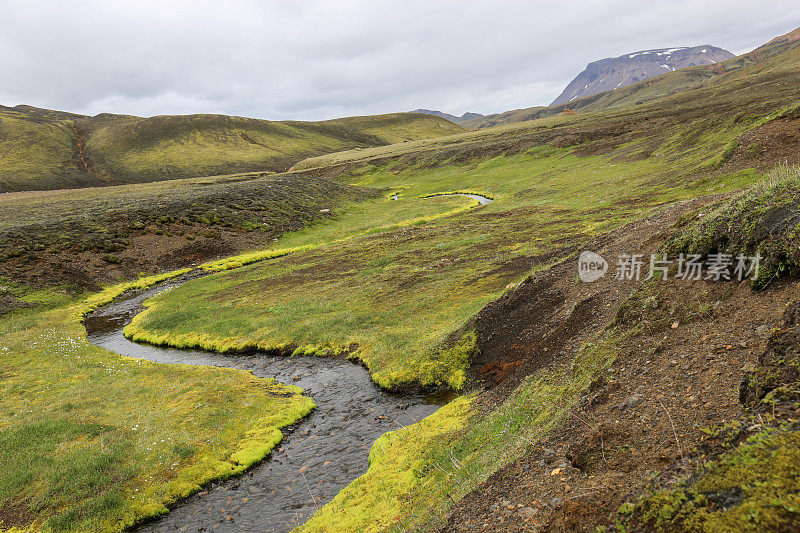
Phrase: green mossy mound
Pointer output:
(763, 220)
(753, 487)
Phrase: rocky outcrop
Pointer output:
(613, 73)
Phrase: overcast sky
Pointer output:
(314, 59)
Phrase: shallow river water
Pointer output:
(317, 458)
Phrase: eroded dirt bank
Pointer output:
(677, 376)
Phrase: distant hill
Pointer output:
(613, 73)
(448, 116)
(42, 149)
(507, 117)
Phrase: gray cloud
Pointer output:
(320, 59)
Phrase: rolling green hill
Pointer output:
(42, 149)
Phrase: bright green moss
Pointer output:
(753, 487)
(92, 441)
(109, 294)
(400, 463)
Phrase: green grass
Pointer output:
(399, 293)
(352, 220)
(43, 149)
(90, 440)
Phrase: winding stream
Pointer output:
(322, 454)
(482, 200)
(311, 465)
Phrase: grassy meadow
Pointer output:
(401, 294)
(94, 441)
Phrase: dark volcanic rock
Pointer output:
(613, 73)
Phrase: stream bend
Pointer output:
(323, 453)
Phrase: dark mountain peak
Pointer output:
(615, 72)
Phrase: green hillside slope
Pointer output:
(41, 149)
(38, 150)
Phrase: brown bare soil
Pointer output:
(15, 514)
(554, 312)
(9, 303)
(93, 237)
(647, 413)
(778, 140)
(173, 247)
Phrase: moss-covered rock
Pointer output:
(753, 487)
